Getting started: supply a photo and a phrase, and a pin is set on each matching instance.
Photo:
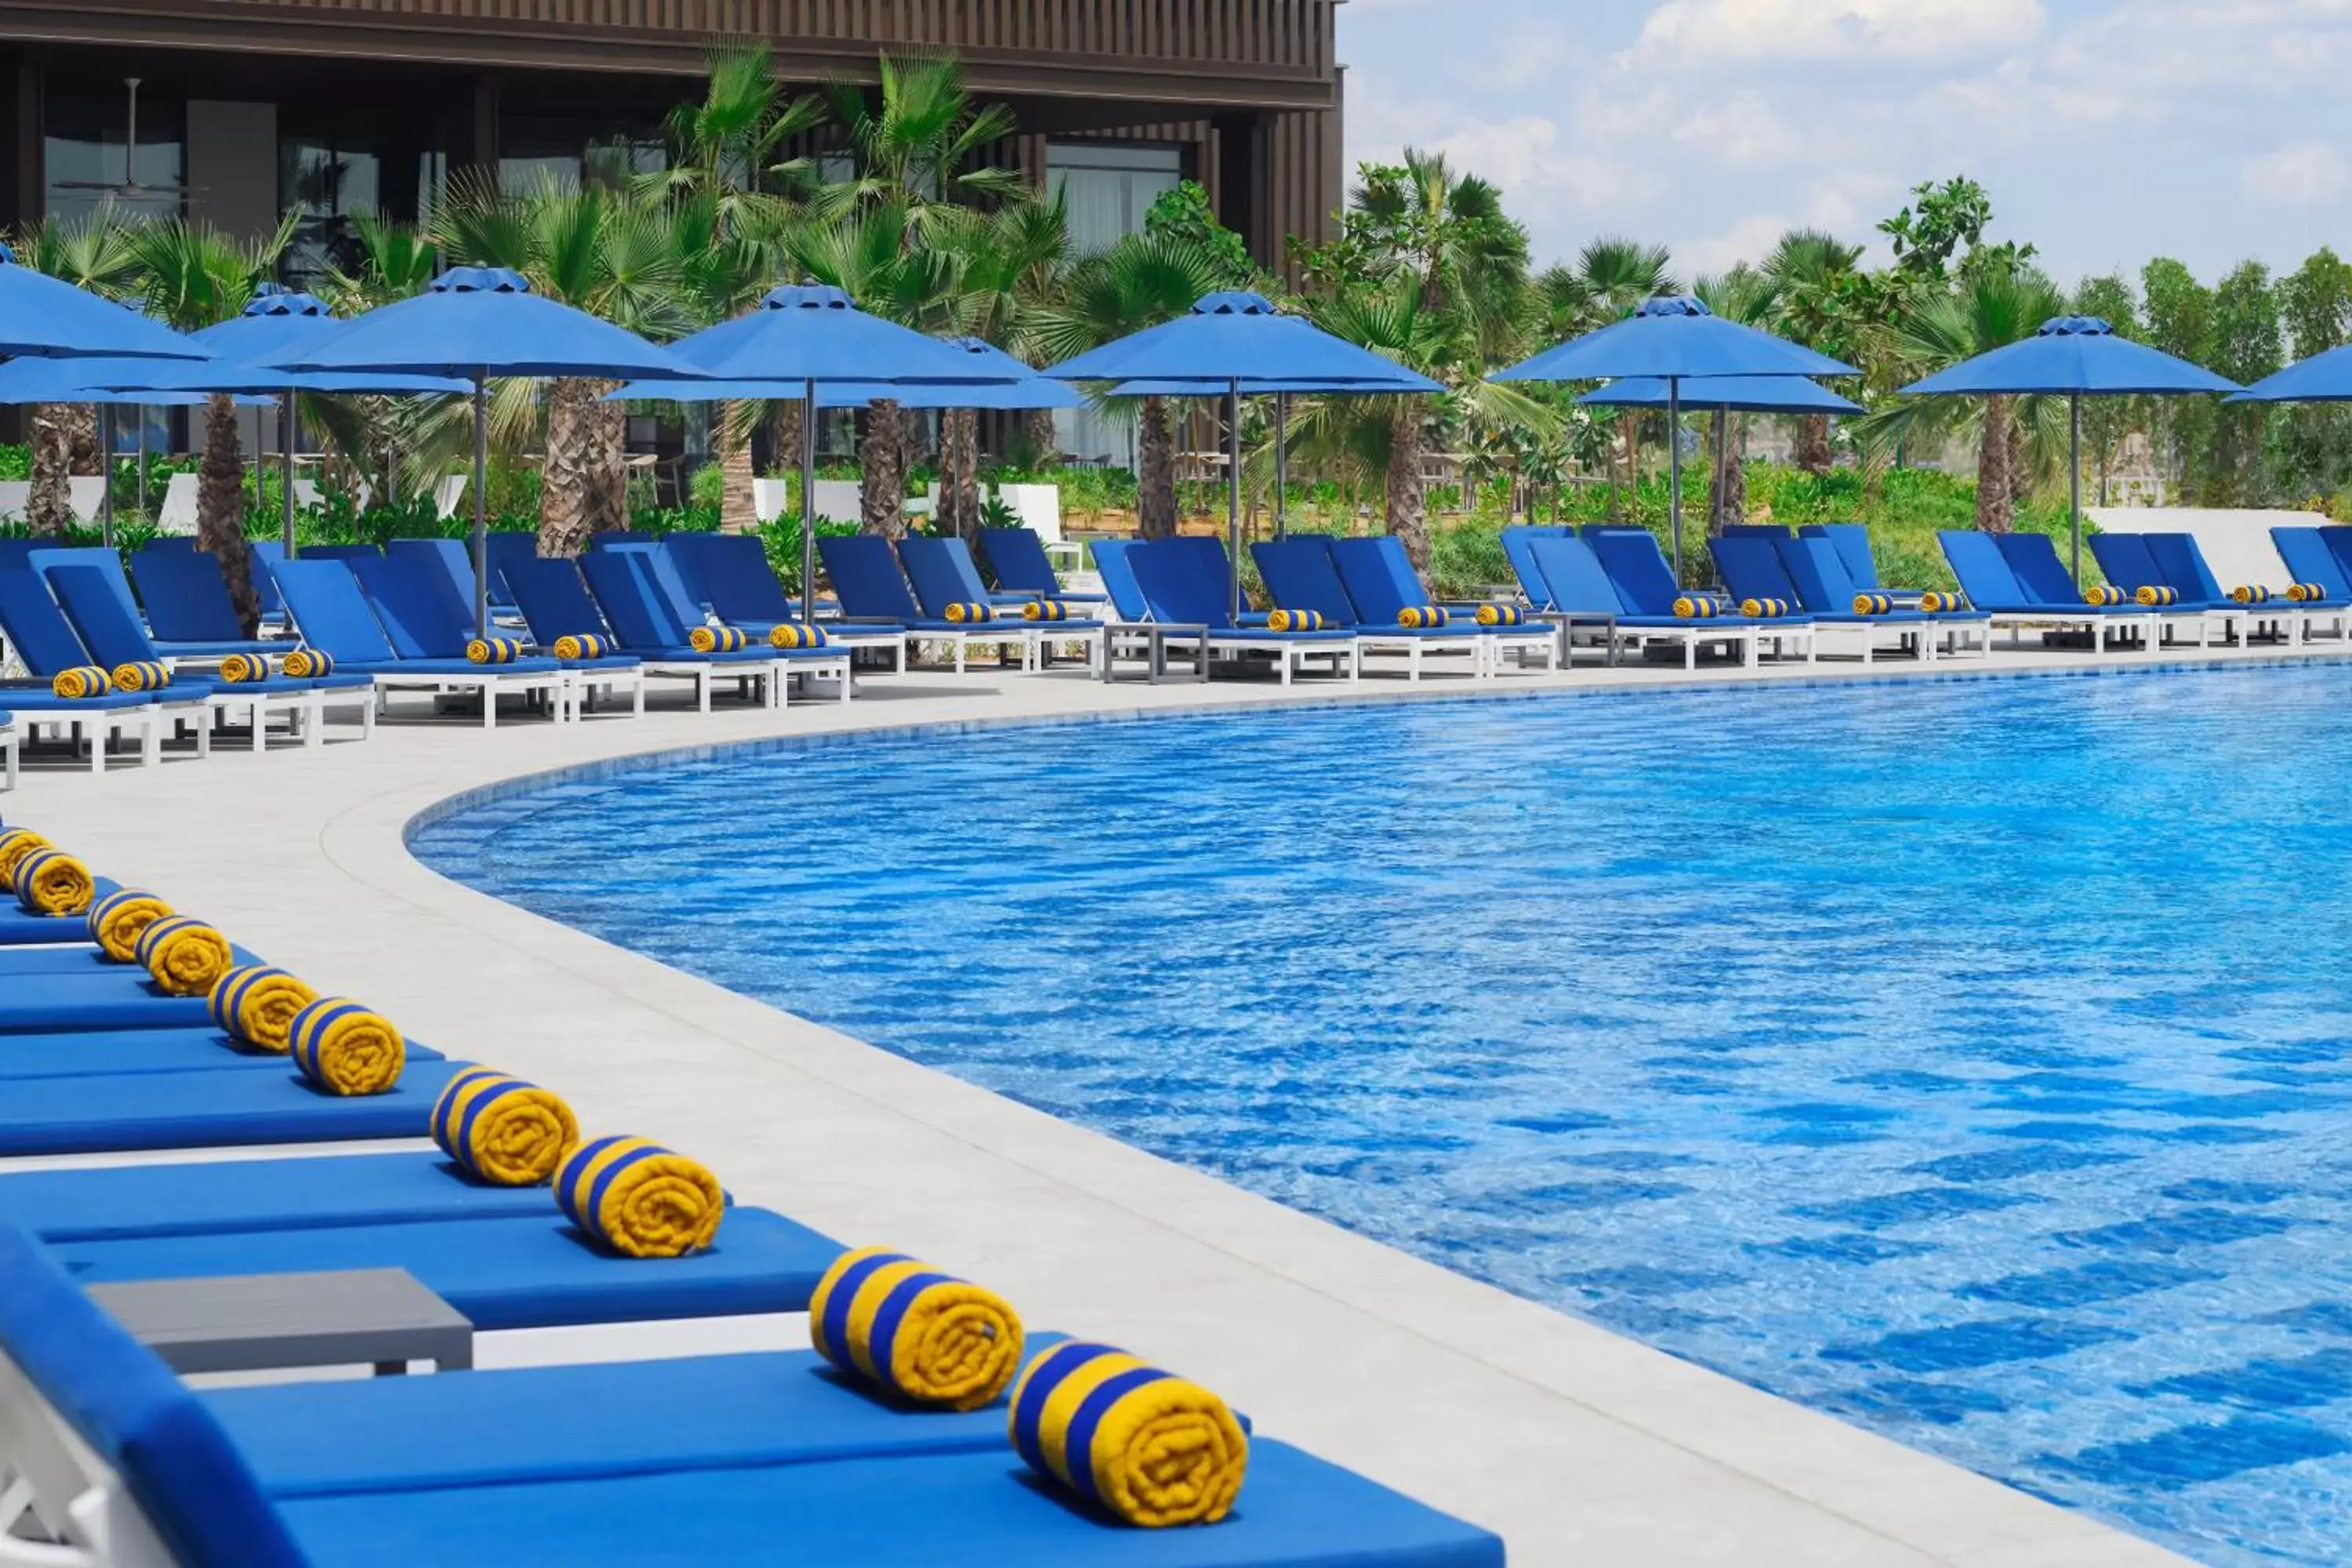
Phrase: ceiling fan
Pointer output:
(131, 186)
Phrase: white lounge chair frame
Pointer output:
(554, 685)
(96, 729)
(2017, 621)
(9, 741)
(78, 1510)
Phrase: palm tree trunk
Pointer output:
(882, 470)
(737, 514)
(81, 434)
(1735, 473)
(220, 507)
(1155, 472)
(1037, 428)
(960, 471)
(784, 440)
(2020, 462)
(1813, 444)
(1993, 499)
(608, 460)
(1718, 456)
(49, 509)
(1408, 511)
(565, 512)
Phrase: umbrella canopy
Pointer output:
(2072, 357)
(1735, 393)
(814, 333)
(91, 381)
(1027, 389)
(1233, 337)
(2322, 378)
(275, 322)
(48, 317)
(1673, 336)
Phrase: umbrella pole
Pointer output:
(1674, 470)
(1281, 463)
(482, 510)
(106, 468)
(140, 412)
(286, 446)
(1234, 491)
(808, 501)
(2075, 476)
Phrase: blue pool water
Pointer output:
(1969, 1059)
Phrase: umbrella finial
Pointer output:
(1673, 305)
(481, 280)
(2075, 327)
(806, 296)
(277, 299)
(1234, 302)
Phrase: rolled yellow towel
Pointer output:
(247, 668)
(2155, 596)
(1045, 610)
(1294, 620)
(1873, 603)
(790, 635)
(255, 1006)
(718, 640)
(344, 1049)
(15, 843)
(1421, 617)
(2101, 594)
(309, 664)
(962, 615)
(52, 882)
(117, 920)
(1940, 604)
(1763, 609)
(2305, 593)
(492, 650)
(186, 956)
(141, 675)
(579, 645)
(1697, 607)
(80, 683)
(1154, 1450)
(2250, 593)
(882, 1316)
(501, 1130)
(632, 1197)
(1501, 615)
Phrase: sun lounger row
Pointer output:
(983, 1443)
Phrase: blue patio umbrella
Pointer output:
(2322, 378)
(44, 316)
(1673, 338)
(1735, 393)
(803, 336)
(476, 323)
(1230, 341)
(2074, 357)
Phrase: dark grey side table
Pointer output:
(249, 1322)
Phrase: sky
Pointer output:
(2106, 131)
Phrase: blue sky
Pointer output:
(2106, 131)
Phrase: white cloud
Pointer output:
(1527, 56)
(1743, 130)
(1528, 158)
(1749, 239)
(1838, 29)
(2307, 175)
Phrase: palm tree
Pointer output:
(195, 276)
(1611, 276)
(1746, 295)
(1141, 281)
(1810, 271)
(1013, 260)
(91, 252)
(394, 262)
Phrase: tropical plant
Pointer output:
(1746, 295)
(1819, 298)
(92, 251)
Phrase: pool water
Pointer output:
(1966, 1058)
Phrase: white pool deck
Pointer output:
(1578, 1446)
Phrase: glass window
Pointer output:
(87, 135)
(328, 185)
(537, 148)
(1107, 187)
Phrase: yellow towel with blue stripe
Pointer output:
(2250, 593)
(1939, 603)
(15, 843)
(1149, 1447)
(256, 1005)
(52, 882)
(502, 1131)
(1765, 609)
(80, 683)
(632, 1197)
(247, 668)
(2100, 595)
(1294, 620)
(119, 920)
(963, 614)
(2156, 595)
(1697, 607)
(2305, 593)
(309, 664)
(1045, 610)
(184, 956)
(575, 645)
(1422, 618)
(718, 640)
(342, 1048)
(492, 650)
(141, 675)
(1502, 615)
(1873, 603)
(790, 635)
(905, 1328)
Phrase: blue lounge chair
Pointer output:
(678, 585)
(2182, 564)
(624, 587)
(421, 612)
(1518, 539)
(188, 608)
(1852, 543)
(346, 553)
(1826, 587)
(1380, 578)
(1180, 587)
(866, 580)
(117, 638)
(2309, 560)
(265, 555)
(942, 573)
(108, 1053)
(455, 565)
(202, 1107)
(334, 616)
(1752, 568)
(1299, 574)
(2125, 560)
(632, 1480)
(45, 644)
(1986, 577)
(1017, 556)
(742, 590)
(65, 1003)
(1580, 594)
(1637, 568)
(556, 604)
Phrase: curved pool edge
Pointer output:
(1578, 1444)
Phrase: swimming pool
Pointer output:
(1968, 1058)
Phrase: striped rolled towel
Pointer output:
(573, 646)
(791, 635)
(1294, 620)
(1416, 617)
(1763, 609)
(1697, 607)
(2154, 596)
(1873, 603)
(2250, 593)
(247, 668)
(15, 843)
(186, 956)
(309, 664)
(1045, 610)
(492, 650)
(503, 1130)
(344, 1049)
(885, 1319)
(2305, 593)
(52, 882)
(1151, 1448)
(2101, 594)
(80, 683)
(117, 920)
(632, 1197)
(1502, 615)
(141, 675)
(1940, 603)
(962, 615)
(718, 640)
(255, 1006)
